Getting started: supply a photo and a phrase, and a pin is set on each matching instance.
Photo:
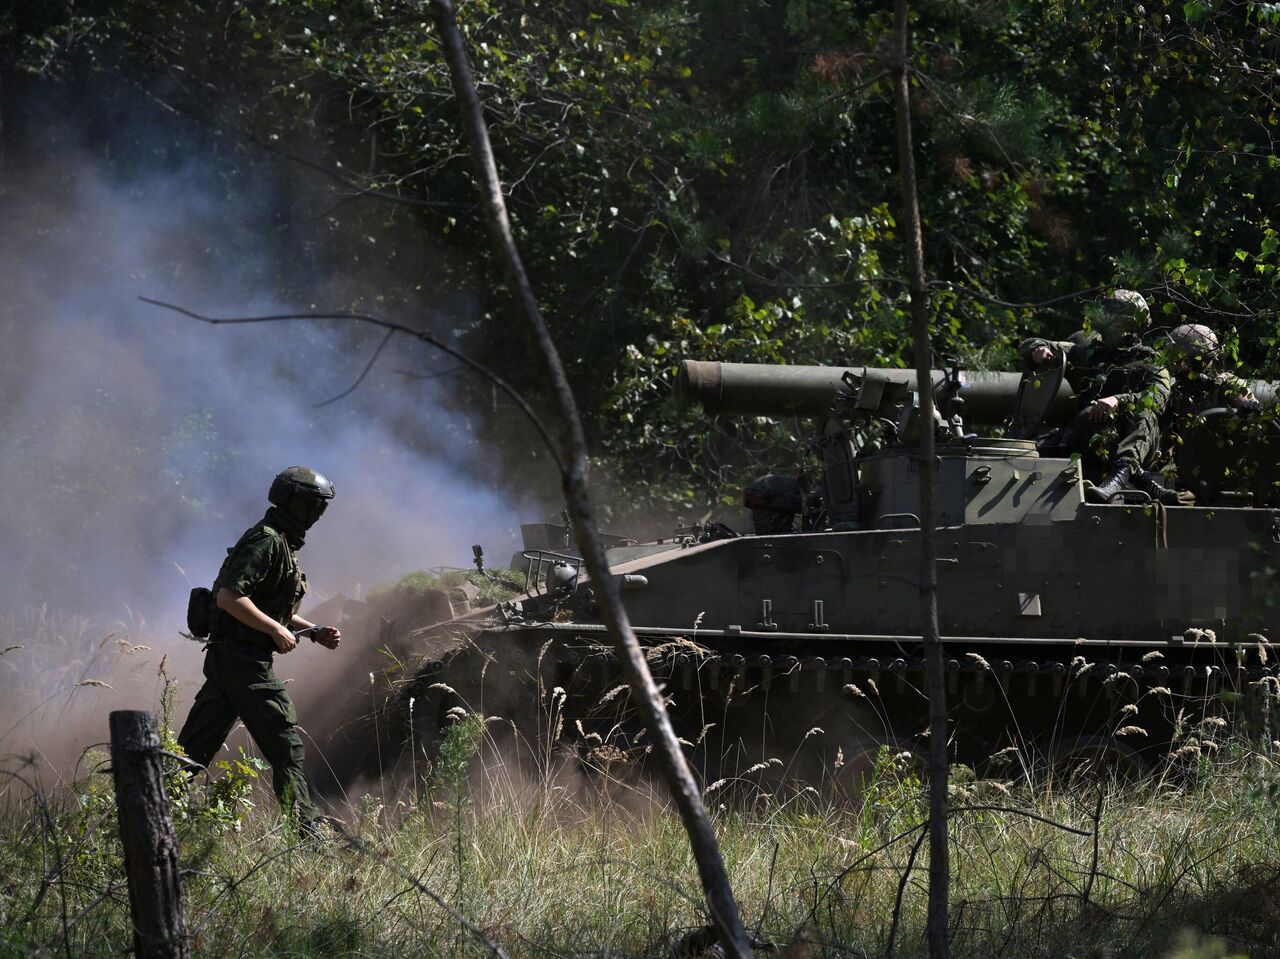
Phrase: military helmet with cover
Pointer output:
(1194, 341)
(1127, 303)
(1124, 314)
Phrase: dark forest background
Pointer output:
(698, 178)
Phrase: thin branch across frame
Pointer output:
(392, 328)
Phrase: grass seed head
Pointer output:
(613, 694)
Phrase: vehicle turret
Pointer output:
(1076, 633)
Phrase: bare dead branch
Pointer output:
(892, 947)
(1097, 837)
(935, 666)
(995, 301)
(706, 851)
(1025, 815)
(363, 373)
(391, 327)
(357, 190)
(869, 854)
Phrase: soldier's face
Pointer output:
(308, 509)
(1115, 330)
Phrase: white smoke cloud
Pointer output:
(136, 441)
(136, 445)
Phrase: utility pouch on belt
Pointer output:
(200, 612)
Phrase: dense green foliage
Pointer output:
(694, 178)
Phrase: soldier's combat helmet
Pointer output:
(774, 501)
(1194, 341)
(302, 492)
(1124, 316)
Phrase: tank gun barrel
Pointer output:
(757, 389)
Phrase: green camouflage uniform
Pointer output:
(1230, 453)
(239, 680)
(1134, 377)
(1202, 390)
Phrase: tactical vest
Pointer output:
(278, 595)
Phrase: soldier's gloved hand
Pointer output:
(1103, 409)
(285, 641)
(327, 636)
(1041, 355)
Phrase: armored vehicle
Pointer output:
(1076, 635)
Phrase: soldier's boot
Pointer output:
(1105, 491)
(1150, 483)
(322, 829)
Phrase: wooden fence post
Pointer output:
(146, 833)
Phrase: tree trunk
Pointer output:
(706, 850)
(934, 663)
(146, 833)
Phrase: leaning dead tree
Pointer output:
(715, 881)
(935, 667)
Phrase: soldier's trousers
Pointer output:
(240, 684)
(1130, 439)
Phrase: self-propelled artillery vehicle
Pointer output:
(1075, 634)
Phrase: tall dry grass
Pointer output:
(571, 862)
(570, 857)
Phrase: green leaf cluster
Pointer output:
(711, 180)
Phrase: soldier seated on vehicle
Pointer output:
(774, 501)
(1198, 384)
(1192, 354)
(1120, 389)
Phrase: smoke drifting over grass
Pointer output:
(136, 445)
